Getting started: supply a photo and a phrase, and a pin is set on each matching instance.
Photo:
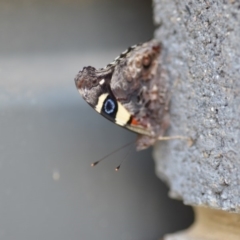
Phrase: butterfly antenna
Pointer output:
(111, 153)
(118, 167)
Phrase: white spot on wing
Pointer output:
(122, 116)
(125, 52)
(101, 100)
(102, 81)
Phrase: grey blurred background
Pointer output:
(50, 136)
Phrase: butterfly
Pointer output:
(130, 92)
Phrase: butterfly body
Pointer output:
(130, 92)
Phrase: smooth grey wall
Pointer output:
(49, 136)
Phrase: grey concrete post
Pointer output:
(201, 54)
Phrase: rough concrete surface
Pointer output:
(201, 42)
(50, 136)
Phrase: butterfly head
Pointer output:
(91, 85)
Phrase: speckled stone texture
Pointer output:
(201, 41)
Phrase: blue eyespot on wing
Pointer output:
(109, 106)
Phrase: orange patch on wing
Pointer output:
(134, 122)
